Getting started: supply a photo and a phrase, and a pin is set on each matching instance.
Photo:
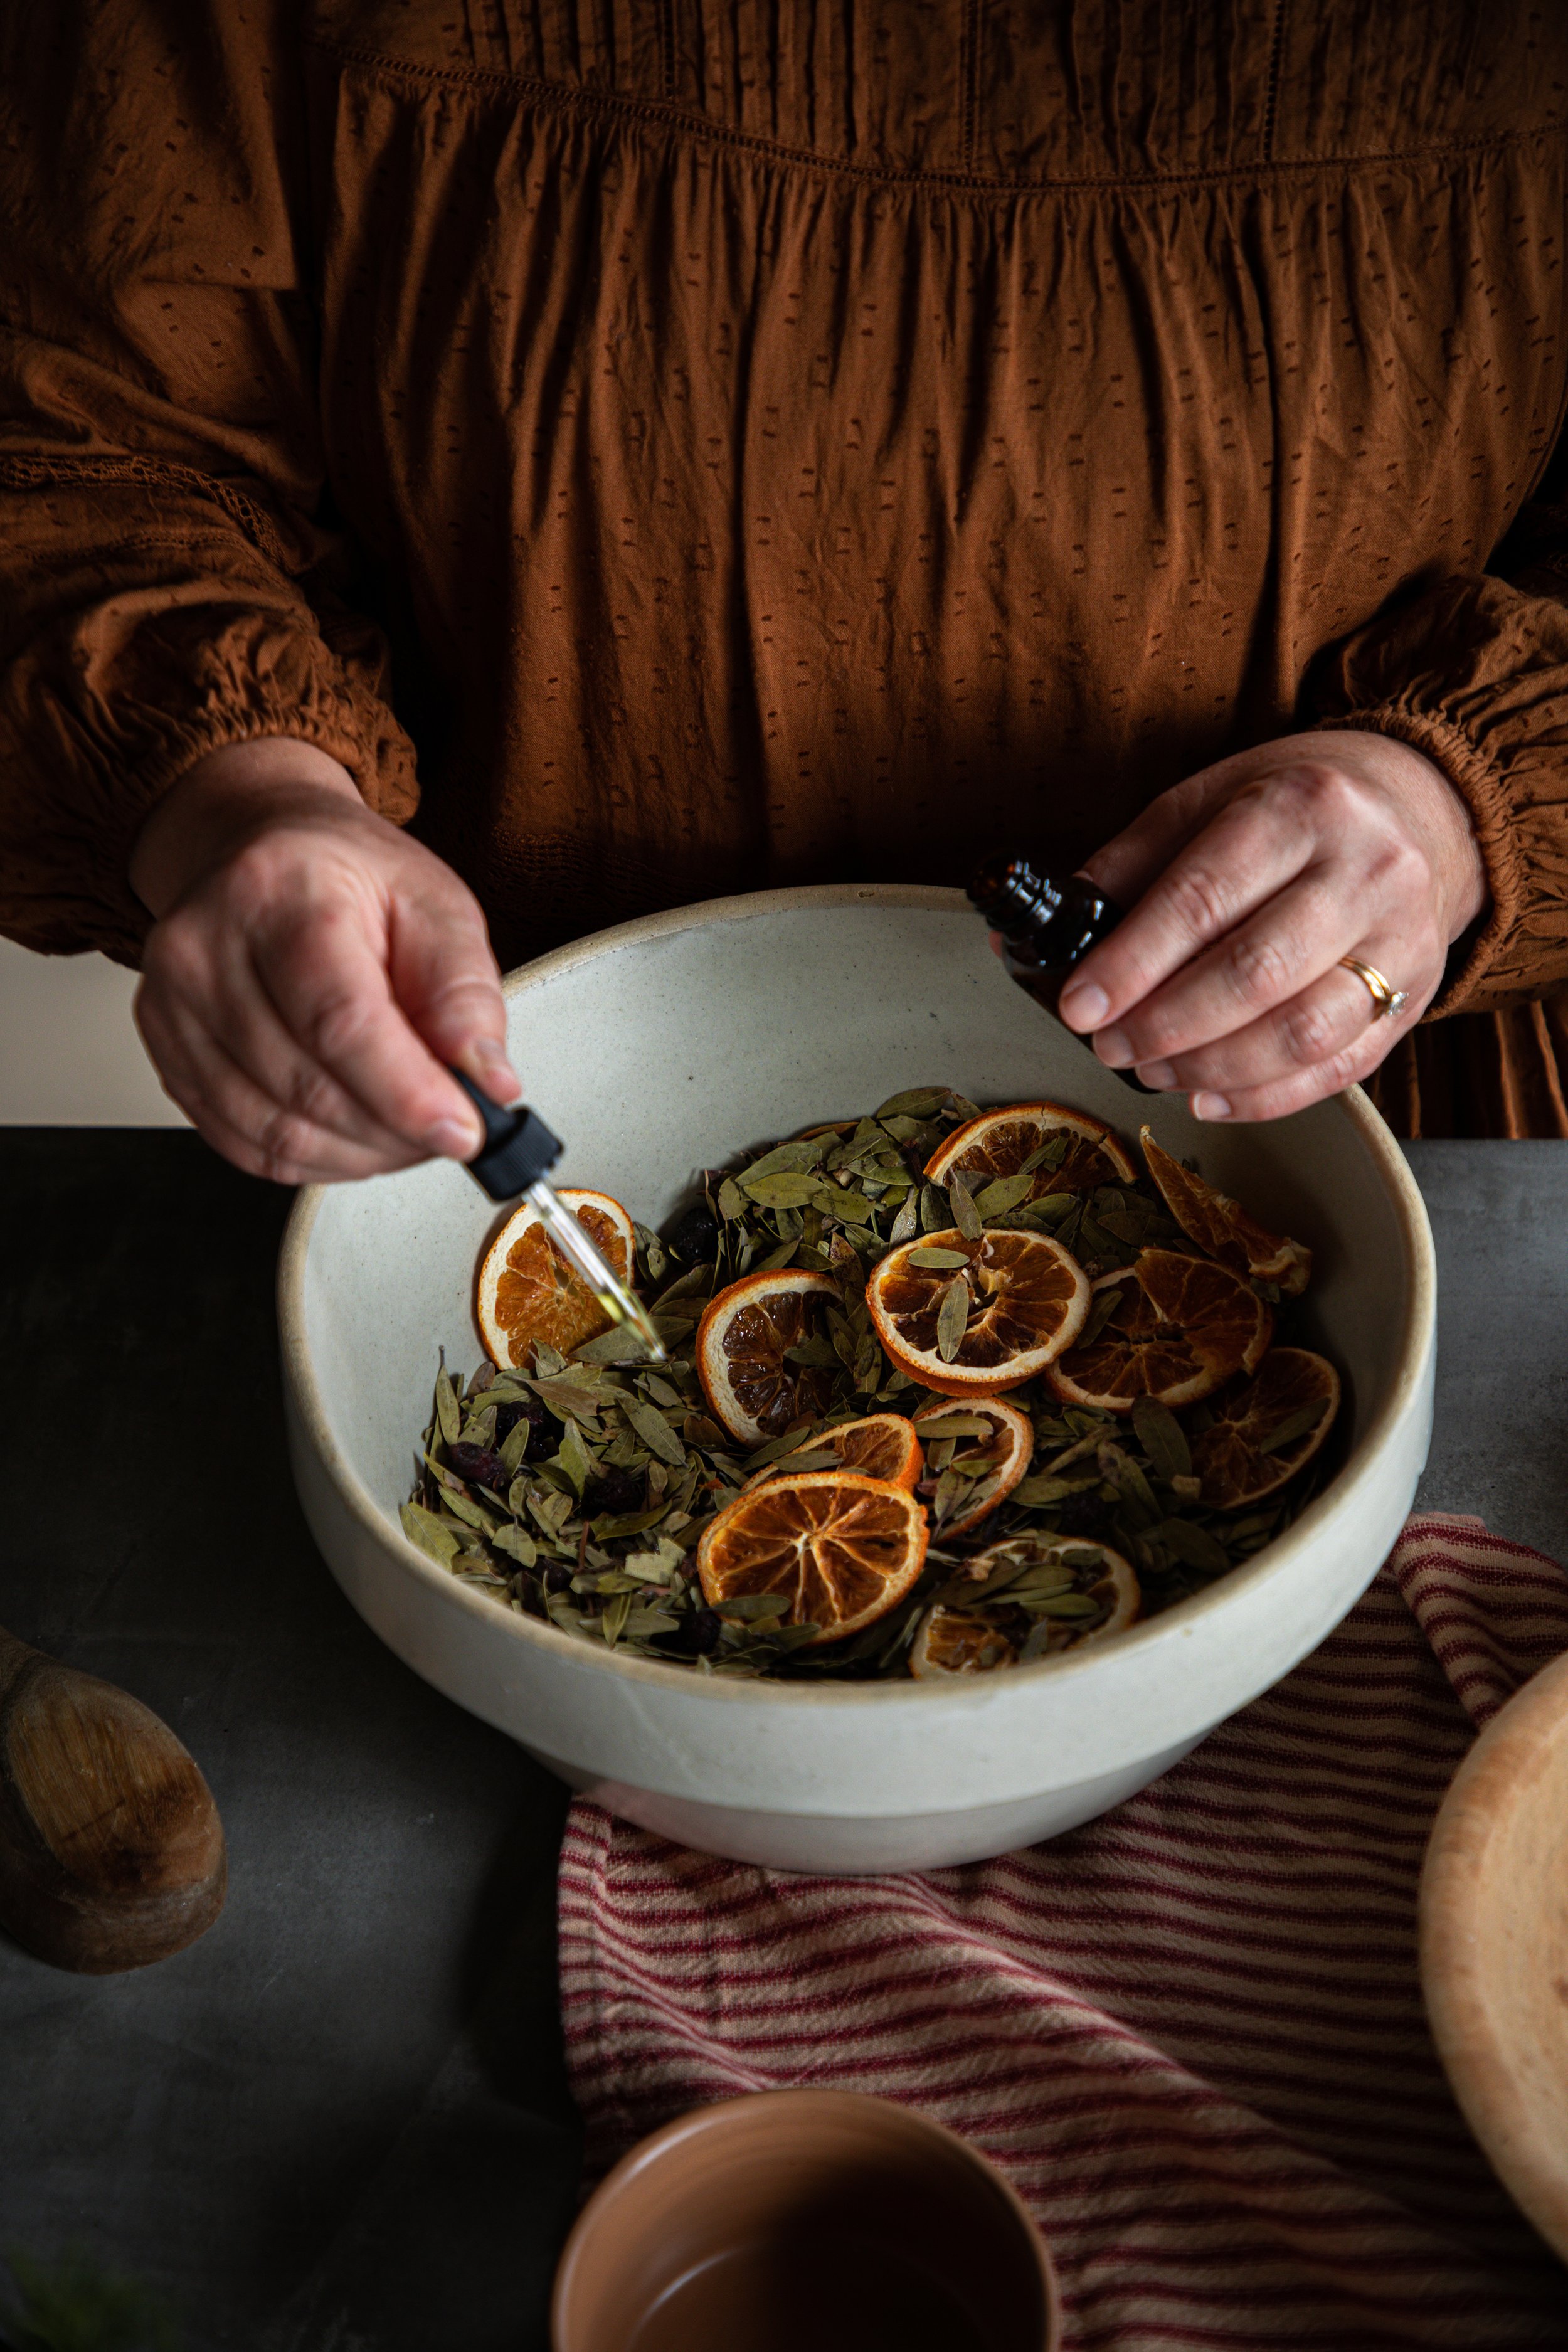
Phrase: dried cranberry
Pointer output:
(507, 1415)
(708, 1625)
(694, 1237)
(613, 1492)
(477, 1465)
(557, 1576)
(696, 1636)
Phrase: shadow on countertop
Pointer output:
(340, 2119)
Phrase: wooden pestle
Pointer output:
(111, 1851)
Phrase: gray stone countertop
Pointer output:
(339, 2122)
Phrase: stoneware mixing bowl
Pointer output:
(666, 1045)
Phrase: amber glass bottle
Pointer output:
(1048, 926)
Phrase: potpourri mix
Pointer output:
(946, 1390)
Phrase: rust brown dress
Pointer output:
(723, 445)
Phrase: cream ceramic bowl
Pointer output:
(664, 1045)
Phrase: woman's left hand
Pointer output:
(1246, 885)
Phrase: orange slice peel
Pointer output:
(1177, 1329)
(1066, 1591)
(957, 1642)
(879, 1446)
(1263, 1434)
(1222, 1227)
(999, 1451)
(975, 1318)
(752, 1389)
(838, 1548)
(996, 1147)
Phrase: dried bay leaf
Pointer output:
(432, 1537)
(467, 1509)
(816, 1353)
(1160, 1436)
(654, 1432)
(905, 1224)
(612, 1621)
(1050, 1153)
(517, 1544)
(952, 1318)
(781, 1192)
(965, 1215)
(915, 1102)
(514, 1448)
(446, 1412)
(1194, 1546)
(786, 1159)
(1093, 1236)
(1104, 1305)
(619, 1345)
(1295, 1425)
(574, 1458)
(1047, 1489)
(927, 1256)
(1007, 1194)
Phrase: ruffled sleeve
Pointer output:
(1474, 672)
(164, 589)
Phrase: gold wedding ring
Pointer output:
(1388, 1000)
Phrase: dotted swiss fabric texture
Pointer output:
(775, 441)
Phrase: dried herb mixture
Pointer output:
(577, 1490)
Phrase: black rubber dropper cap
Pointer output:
(1061, 919)
(518, 1147)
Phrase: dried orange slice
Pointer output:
(1268, 1430)
(1180, 1328)
(953, 1641)
(751, 1387)
(1222, 1227)
(973, 1317)
(839, 1547)
(882, 1446)
(998, 1143)
(985, 1464)
(1064, 1591)
(526, 1289)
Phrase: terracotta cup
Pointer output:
(1494, 1945)
(796, 2219)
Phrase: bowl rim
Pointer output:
(1275, 1561)
(741, 2111)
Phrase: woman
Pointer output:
(565, 457)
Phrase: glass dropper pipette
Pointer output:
(519, 1151)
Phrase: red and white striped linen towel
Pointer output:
(1191, 2033)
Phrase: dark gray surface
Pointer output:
(1500, 1446)
(338, 2122)
(314, 2127)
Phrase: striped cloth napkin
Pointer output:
(1191, 2033)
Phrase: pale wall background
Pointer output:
(70, 1054)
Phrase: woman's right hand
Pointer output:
(309, 971)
